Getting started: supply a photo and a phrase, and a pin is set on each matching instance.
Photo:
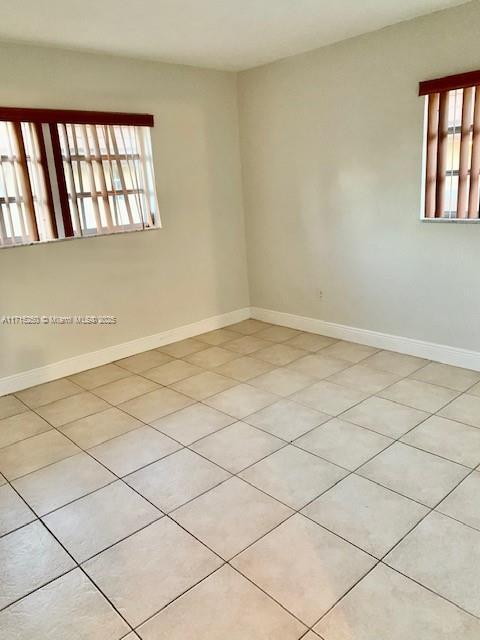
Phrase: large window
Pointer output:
(452, 147)
(71, 174)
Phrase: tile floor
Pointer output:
(252, 483)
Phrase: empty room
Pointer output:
(240, 320)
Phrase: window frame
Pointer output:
(52, 165)
(444, 86)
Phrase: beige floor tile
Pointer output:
(249, 326)
(237, 446)
(465, 409)
(365, 378)
(34, 453)
(183, 348)
(155, 404)
(282, 382)
(99, 376)
(11, 406)
(329, 398)
(21, 426)
(387, 605)
(92, 430)
(29, 558)
(241, 401)
(244, 368)
(231, 516)
(171, 482)
(156, 565)
(384, 416)
(446, 376)
(319, 366)
(343, 443)
(14, 512)
(443, 555)
(2, 480)
(350, 351)
(299, 552)
(420, 395)
(394, 362)
(247, 345)
(61, 412)
(192, 423)
(293, 476)
(310, 341)
(287, 419)
(416, 474)
(203, 385)
(447, 438)
(143, 361)
(463, 503)
(48, 392)
(56, 485)
(366, 514)
(279, 354)
(215, 610)
(217, 337)
(211, 357)
(125, 389)
(172, 372)
(276, 333)
(70, 607)
(93, 523)
(127, 453)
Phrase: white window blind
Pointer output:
(60, 178)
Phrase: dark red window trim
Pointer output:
(71, 116)
(449, 83)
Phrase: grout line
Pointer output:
(427, 588)
(269, 595)
(382, 559)
(180, 595)
(77, 565)
(44, 584)
(70, 455)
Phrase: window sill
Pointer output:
(87, 236)
(451, 220)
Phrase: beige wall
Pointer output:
(332, 154)
(191, 269)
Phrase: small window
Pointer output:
(452, 147)
(74, 174)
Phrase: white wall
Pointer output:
(332, 154)
(193, 268)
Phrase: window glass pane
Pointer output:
(453, 152)
(451, 196)
(455, 108)
(4, 147)
(134, 206)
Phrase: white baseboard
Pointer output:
(85, 361)
(430, 350)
